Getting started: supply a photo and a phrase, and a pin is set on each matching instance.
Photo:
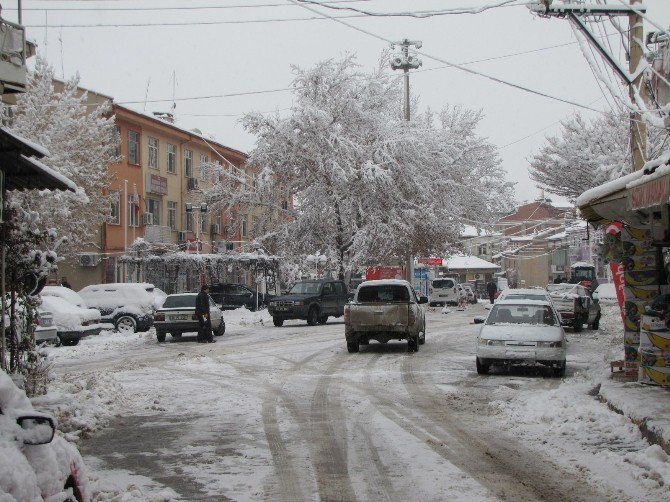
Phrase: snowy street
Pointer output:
(287, 414)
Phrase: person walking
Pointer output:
(492, 289)
(205, 334)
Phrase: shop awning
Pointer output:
(22, 170)
(628, 199)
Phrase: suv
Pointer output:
(127, 305)
(233, 296)
(313, 300)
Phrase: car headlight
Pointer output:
(491, 343)
(273, 304)
(299, 303)
(551, 345)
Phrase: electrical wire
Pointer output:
(167, 8)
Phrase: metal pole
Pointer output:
(638, 136)
(20, 12)
(126, 215)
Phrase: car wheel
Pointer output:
(69, 343)
(422, 337)
(352, 347)
(221, 329)
(160, 336)
(278, 321)
(559, 371)
(126, 324)
(596, 322)
(482, 369)
(312, 316)
(323, 319)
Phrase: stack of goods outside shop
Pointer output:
(640, 272)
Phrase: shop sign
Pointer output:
(157, 184)
(431, 261)
(651, 193)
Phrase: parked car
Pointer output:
(522, 332)
(312, 300)
(232, 296)
(45, 328)
(470, 293)
(72, 323)
(606, 294)
(443, 291)
(35, 464)
(385, 310)
(575, 305)
(128, 306)
(177, 316)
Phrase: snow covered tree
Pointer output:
(586, 154)
(365, 182)
(81, 143)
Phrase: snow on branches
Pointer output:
(81, 141)
(365, 182)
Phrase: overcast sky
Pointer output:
(205, 48)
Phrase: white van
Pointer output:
(443, 291)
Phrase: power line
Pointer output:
(168, 8)
(454, 65)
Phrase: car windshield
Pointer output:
(306, 288)
(443, 283)
(522, 314)
(382, 294)
(179, 301)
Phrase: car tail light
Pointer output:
(85, 323)
(346, 314)
(159, 317)
(194, 317)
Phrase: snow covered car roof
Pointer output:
(379, 282)
(66, 293)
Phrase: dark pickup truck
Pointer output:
(313, 301)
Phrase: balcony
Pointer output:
(13, 54)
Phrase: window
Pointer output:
(133, 212)
(172, 214)
(243, 223)
(188, 163)
(153, 153)
(171, 158)
(203, 165)
(115, 208)
(153, 206)
(188, 221)
(133, 147)
(203, 222)
(284, 205)
(116, 141)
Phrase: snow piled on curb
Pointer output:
(611, 442)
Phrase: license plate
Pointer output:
(183, 317)
(281, 308)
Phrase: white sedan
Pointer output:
(73, 323)
(522, 332)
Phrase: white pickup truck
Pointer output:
(385, 310)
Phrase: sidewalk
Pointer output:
(645, 405)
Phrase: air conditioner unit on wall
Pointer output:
(192, 183)
(88, 259)
(181, 237)
(147, 219)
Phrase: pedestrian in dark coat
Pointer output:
(492, 289)
(205, 334)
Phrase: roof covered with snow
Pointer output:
(468, 263)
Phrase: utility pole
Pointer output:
(633, 78)
(405, 61)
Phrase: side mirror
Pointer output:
(423, 299)
(479, 319)
(350, 296)
(37, 429)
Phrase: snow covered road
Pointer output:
(288, 414)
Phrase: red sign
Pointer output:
(431, 261)
(377, 273)
(618, 279)
(651, 193)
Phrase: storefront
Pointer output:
(634, 210)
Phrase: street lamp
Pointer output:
(199, 210)
(317, 259)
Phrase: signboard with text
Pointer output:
(651, 193)
(157, 184)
